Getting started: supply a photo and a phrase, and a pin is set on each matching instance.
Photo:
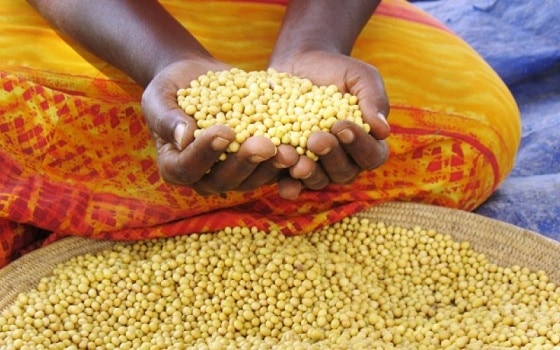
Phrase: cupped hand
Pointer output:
(347, 149)
(194, 162)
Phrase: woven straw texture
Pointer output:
(502, 243)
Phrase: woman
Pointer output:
(94, 144)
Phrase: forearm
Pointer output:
(138, 37)
(328, 25)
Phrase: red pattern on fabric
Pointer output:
(457, 161)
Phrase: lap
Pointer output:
(81, 159)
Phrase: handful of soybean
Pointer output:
(285, 108)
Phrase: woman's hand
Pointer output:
(184, 160)
(347, 150)
(314, 42)
(147, 43)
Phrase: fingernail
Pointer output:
(219, 144)
(179, 136)
(279, 165)
(324, 151)
(256, 158)
(308, 175)
(345, 136)
(381, 116)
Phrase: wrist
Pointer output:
(289, 60)
(328, 26)
(194, 58)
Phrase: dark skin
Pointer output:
(143, 40)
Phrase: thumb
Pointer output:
(167, 121)
(369, 88)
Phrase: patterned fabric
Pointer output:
(77, 159)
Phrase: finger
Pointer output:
(309, 173)
(231, 173)
(190, 165)
(265, 173)
(333, 158)
(271, 170)
(368, 86)
(368, 152)
(289, 188)
(285, 157)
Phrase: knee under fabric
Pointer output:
(77, 158)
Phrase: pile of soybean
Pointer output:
(352, 285)
(282, 107)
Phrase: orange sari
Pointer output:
(76, 157)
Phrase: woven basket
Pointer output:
(502, 243)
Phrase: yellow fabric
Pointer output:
(79, 159)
